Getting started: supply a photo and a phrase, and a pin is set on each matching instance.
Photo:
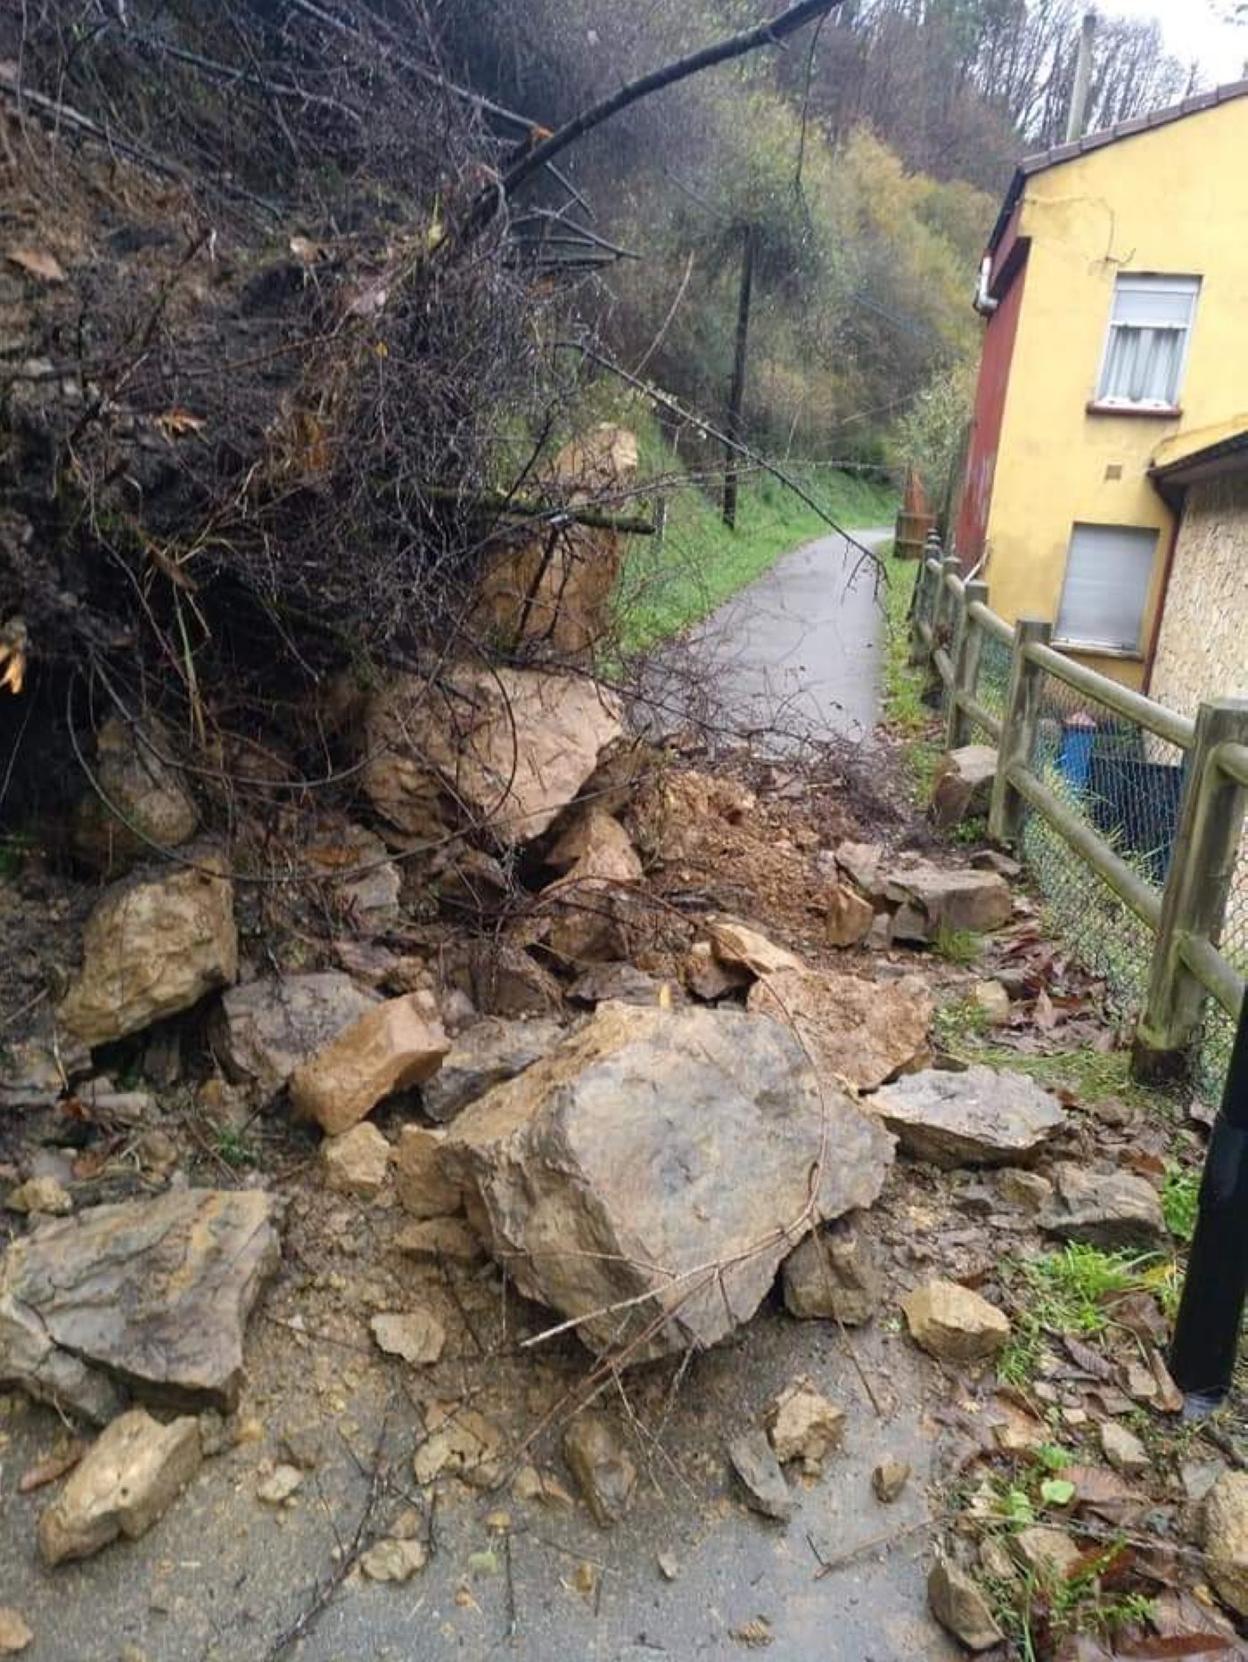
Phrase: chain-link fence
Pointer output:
(1098, 781)
(1125, 785)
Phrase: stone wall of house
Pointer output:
(1202, 652)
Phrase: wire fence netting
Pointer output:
(1126, 785)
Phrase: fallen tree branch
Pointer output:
(724, 51)
(506, 507)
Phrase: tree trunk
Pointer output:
(736, 393)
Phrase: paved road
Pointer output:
(799, 649)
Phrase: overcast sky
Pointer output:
(1192, 29)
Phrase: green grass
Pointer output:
(667, 586)
(1180, 1197)
(957, 946)
(1064, 1292)
(905, 713)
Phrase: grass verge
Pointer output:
(906, 716)
(667, 585)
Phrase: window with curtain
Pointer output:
(1147, 344)
(1108, 572)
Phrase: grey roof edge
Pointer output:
(1228, 450)
(1041, 160)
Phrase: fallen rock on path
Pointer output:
(833, 1275)
(153, 946)
(15, 1632)
(150, 1296)
(424, 1188)
(1225, 1538)
(484, 1055)
(1115, 1211)
(602, 1466)
(758, 1470)
(266, 1029)
(416, 1336)
(804, 1425)
(953, 1323)
(357, 1163)
(932, 898)
(976, 1118)
(127, 1479)
(740, 946)
(963, 785)
(393, 1045)
(862, 1032)
(960, 1607)
(650, 1148)
(502, 750)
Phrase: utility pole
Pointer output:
(1077, 116)
(736, 393)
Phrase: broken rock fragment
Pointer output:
(602, 1466)
(153, 945)
(503, 750)
(265, 1029)
(1114, 1210)
(960, 1607)
(963, 786)
(646, 1149)
(741, 947)
(136, 773)
(1225, 1521)
(931, 898)
(393, 1045)
(889, 1479)
(421, 1178)
(758, 1470)
(417, 1336)
(803, 1425)
(127, 1479)
(976, 1118)
(863, 1032)
(461, 1442)
(150, 1296)
(394, 1560)
(482, 1056)
(357, 1162)
(953, 1323)
(40, 1195)
(849, 917)
(833, 1275)
(15, 1632)
(451, 1239)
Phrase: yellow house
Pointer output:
(1115, 286)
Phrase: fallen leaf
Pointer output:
(305, 250)
(1043, 1013)
(1089, 1359)
(37, 262)
(757, 1635)
(175, 423)
(1169, 1398)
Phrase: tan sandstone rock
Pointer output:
(136, 771)
(953, 1323)
(153, 946)
(1225, 1521)
(426, 1187)
(863, 1032)
(357, 1162)
(506, 749)
(391, 1046)
(804, 1425)
(127, 1479)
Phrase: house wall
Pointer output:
(1202, 651)
(985, 436)
(1170, 200)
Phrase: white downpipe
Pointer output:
(985, 305)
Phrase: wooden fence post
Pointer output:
(1198, 888)
(966, 648)
(923, 605)
(1018, 728)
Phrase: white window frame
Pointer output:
(1102, 648)
(1143, 282)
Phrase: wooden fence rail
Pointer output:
(1186, 910)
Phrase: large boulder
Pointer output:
(503, 750)
(482, 1056)
(390, 1047)
(977, 1118)
(649, 1175)
(154, 945)
(1225, 1528)
(861, 1031)
(555, 586)
(150, 1296)
(264, 1030)
(135, 771)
